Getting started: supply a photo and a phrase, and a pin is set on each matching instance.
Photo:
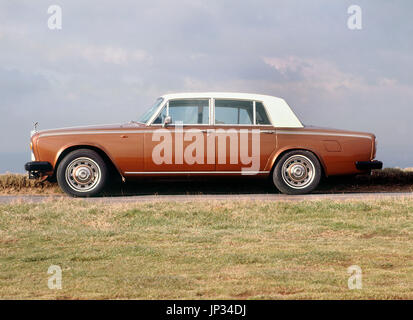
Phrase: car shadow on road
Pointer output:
(380, 181)
(193, 186)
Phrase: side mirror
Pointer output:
(167, 121)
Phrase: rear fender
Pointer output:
(280, 152)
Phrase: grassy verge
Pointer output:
(386, 180)
(21, 184)
(223, 250)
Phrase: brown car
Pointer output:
(205, 134)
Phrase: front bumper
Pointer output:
(369, 165)
(36, 168)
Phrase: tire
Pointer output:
(297, 172)
(82, 173)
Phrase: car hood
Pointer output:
(104, 127)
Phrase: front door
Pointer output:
(182, 146)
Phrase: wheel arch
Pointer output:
(66, 150)
(282, 152)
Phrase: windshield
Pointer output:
(148, 114)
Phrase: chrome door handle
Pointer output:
(268, 131)
(207, 131)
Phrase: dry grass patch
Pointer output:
(21, 184)
(386, 180)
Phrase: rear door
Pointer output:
(245, 138)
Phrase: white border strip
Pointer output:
(195, 172)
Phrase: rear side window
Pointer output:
(234, 112)
(261, 115)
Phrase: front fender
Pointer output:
(73, 146)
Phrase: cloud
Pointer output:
(115, 55)
(97, 54)
(316, 73)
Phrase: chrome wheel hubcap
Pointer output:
(298, 172)
(83, 174)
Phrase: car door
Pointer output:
(182, 145)
(245, 138)
(268, 137)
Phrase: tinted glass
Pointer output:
(233, 112)
(261, 116)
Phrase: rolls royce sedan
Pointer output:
(202, 134)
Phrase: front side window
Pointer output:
(189, 111)
(234, 112)
(186, 112)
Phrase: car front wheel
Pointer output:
(82, 173)
(297, 172)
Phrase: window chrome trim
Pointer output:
(212, 112)
(254, 113)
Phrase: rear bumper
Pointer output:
(37, 168)
(369, 165)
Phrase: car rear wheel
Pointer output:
(82, 173)
(297, 172)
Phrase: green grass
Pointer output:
(207, 250)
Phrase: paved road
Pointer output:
(208, 197)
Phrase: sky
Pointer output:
(112, 59)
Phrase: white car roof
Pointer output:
(278, 110)
(224, 95)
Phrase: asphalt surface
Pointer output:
(214, 197)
